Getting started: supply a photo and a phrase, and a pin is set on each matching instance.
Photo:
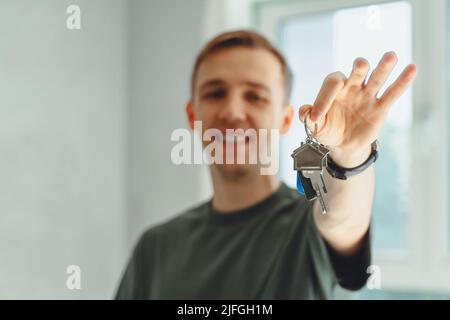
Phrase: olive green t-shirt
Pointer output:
(271, 250)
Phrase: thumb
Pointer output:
(302, 112)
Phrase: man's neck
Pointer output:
(242, 192)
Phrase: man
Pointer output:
(256, 238)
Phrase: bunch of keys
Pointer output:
(309, 161)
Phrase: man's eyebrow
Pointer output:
(218, 82)
(212, 83)
(258, 85)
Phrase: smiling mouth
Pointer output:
(233, 138)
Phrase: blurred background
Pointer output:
(86, 117)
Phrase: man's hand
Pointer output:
(349, 117)
(349, 114)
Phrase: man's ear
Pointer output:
(189, 109)
(286, 118)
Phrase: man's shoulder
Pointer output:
(195, 216)
(186, 220)
(294, 195)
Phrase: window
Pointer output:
(318, 44)
(410, 229)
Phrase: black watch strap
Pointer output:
(344, 173)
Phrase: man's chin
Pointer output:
(235, 171)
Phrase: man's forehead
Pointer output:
(240, 66)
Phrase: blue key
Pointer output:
(299, 185)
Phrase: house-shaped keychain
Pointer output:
(309, 157)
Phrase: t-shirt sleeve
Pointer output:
(350, 272)
(131, 284)
(127, 289)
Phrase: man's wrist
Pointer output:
(350, 158)
(338, 171)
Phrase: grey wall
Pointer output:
(165, 37)
(62, 106)
(85, 123)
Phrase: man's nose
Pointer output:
(233, 109)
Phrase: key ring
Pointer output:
(310, 136)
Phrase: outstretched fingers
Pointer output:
(359, 73)
(399, 86)
(330, 89)
(381, 73)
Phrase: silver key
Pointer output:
(319, 186)
(309, 160)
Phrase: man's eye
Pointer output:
(218, 94)
(254, 97)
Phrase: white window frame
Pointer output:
(426, 266)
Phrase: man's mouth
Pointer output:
(236, 138)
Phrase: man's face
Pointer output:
(239, 88)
